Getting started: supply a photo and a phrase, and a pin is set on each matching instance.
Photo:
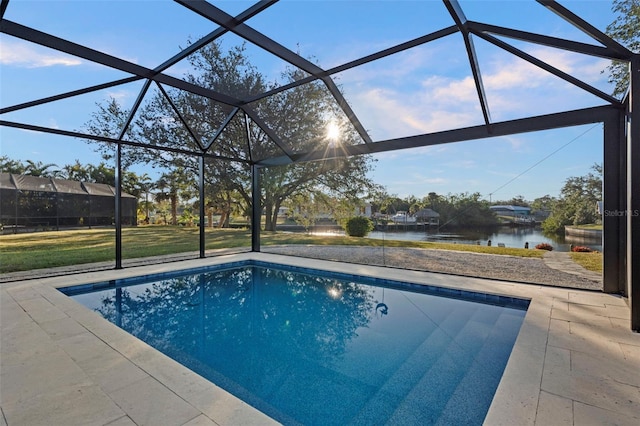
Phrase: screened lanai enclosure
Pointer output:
(30, 202)
(240, 95)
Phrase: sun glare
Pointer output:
(334, 292)
(333, 131)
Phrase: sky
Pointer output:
(423, 90)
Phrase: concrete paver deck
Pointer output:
(575, 360)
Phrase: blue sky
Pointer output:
(427, 89)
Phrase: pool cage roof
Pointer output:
(276, 33)
(14, 182)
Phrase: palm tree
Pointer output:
(7, 165)
(172, 186)
(146, 185)
(40, 169)
(76, 172)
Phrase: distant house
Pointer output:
(428, 217)
(512, 211)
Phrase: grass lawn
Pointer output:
(591, 261)
(588, 226)
(22, 252)
(37, 250)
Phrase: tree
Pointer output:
(77, 172)
(40, 169)
(298, 116)
(358, 226)
(460, 210)
(102, 173)
(626, 30)
(518, 200)
(392, 204)
(469, 210)
(343, 208)
(377, 195)
(304, 209)
(172, 186)
(8, 165)
(544, 203)
(146, 185)
(163, 209)
(441, 205)
(108, 121)
(577, 202)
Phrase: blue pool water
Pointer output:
(310, 347)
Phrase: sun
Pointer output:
(333, 131)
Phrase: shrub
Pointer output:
(544, 246)
(581, 249)
(358, 226)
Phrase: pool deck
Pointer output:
(575, 360)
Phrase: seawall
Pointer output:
(572, 231)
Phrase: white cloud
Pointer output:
(500, 172)
(407, 97)
(52, 123)
(384, 107)
(31, 56)
(450, 92)
(432, 150)
(397, 114)
(572, 63)
(119, 95)
(462, 164)
(431, 181)
(515, 142)
(512, 74)
(396, 66)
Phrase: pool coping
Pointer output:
(574, 359)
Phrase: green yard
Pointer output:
(591, 261)
(22, 252)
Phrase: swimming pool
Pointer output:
(310, 347)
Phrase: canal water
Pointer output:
(510, 237)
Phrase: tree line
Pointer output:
(455, 210)
(102, 173)
(576, 204)
(179, 190)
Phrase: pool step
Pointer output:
(382, 407)
(429, 382)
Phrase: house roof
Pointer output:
(511, 208)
